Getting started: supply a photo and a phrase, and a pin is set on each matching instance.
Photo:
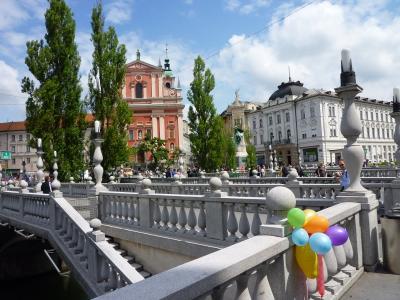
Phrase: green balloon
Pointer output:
(296, 217)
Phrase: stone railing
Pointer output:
(214, 217)
(95, 263)
(77, 190)
(262, 267)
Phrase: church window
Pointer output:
(168, 85)
(140, 134)
(139, 90)
(312, 111)
(172, 147)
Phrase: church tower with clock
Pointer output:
(155, 98)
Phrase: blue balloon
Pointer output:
(320, 243)
(300, 237)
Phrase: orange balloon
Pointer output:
(309, 214)
(316, 224)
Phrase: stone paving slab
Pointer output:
(375, 286)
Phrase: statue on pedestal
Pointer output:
(241, 153)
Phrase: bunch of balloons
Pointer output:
(313, 238)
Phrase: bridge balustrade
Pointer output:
(97, 265)
(261, 267)
(212, 218)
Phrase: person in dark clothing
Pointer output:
(285, 171)
(46, 186)
(320, 171)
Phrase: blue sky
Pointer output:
(309, 40)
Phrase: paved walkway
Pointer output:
(375, 286)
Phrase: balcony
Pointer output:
(282, 142)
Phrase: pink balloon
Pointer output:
(337, 234)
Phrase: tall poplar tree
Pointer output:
(54, 109)
(106, 80)
(205, 124)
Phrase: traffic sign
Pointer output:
(6, 155)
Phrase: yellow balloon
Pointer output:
(309, 213)
(307, 260)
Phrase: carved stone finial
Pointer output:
(71, 179)
(225, 177)
(254, 173)
(215, 184)
(278, 201)
(95, 224)
(146, 183)
(292, 176)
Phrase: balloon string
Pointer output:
(306, 283)
(320, 278)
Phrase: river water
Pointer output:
(49, 286)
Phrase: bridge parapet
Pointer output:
(262, 267)
(98, 266)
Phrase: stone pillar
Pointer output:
(180, 131)
(354, 157)
(154, 125)
(216, 213)
(153, 85)
(97, 159)
(162, 128)
(56, 184)
(124, 91)
(293, 184)
(146, 206)
(39, 165)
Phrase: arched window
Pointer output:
(140, 134)
(168, 85)
(139, 90)
(172, 147)
(271, 136)
(288, 133)
(279, 135)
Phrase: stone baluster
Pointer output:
(165, 215)
(255, 224)
(157, 215)
(182, 219)
(192, 220)
(56, 184)
(242, 288)
(97, 159)
(262, 289)
(232, 224)
(173, 218)
(218, 292)
(94, 263)
(39, 165)
(244, 227)
(354, 156)
(202, 220)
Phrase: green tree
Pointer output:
(205, 125)
(251, 160)
(54, 109)
(229, 152)
(106, 80)
(156, 147)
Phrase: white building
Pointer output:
(296, 120)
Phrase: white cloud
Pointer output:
(246, 7)
(12, 101)
(13, 13)
(310, 43)
(119, 11)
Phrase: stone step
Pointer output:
(147, 274)
(121, 252)
(114, 245)
(138, 267)
(130, 259)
